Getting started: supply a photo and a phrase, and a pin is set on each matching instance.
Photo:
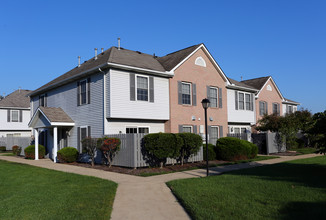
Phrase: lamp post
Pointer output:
(205, 102)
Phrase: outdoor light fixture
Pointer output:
(205, 102)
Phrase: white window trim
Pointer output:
(82, 127)
(188, 126)
(136, 87)
(244, 101)
(218, 130)
(217, 98)
(80, 92)
(232, 129)
(190, 93)
(265, 108)
(11, 113)
(199, 60)
(133, 126)
(277, 108)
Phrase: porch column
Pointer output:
(36, 143)
(55, 144)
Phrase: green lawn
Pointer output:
(28, 192)
(291, 190)
(306, 150)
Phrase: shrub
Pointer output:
(230, 148)
(30, 151)
(191, 145)
(68, 154)
(2, 149)
(109, 148)
(211, 152)
(163, 145)
(16, 150)
(90, 146)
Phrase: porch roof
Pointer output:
(49, 117)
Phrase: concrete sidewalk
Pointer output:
(147, 197)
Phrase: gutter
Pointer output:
(240, 87)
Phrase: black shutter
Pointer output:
(278, 109)
(236, 100)
(78, 93)
(266, 111)
(179, 93)
(195, 129)
(89, 90)
(132, 86)
(20, 115)
(78, 139)
(151, 89)
(220, 129)
(220, 105)
(180, 128)
(89, 133)
(194, 97)
(8, 115)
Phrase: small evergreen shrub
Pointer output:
(231, 149)
(191, 145)
(211, 152)
(2, 149)
(30, 151)
(16, 150)
(68, 154)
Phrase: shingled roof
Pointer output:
(56, 114)
(256, 83)
(240, 84)
(17, 99)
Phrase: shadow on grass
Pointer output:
(304, 210)
(306, 174)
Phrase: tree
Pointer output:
(318, 130)
(90, 146)
(191, 145)
(109, 148)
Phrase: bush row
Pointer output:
(30, 151)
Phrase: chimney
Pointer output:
(78, 61)
(95, 54)
(118, 43)
(102, 50)
(241, 78)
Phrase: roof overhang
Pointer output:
(235, 87)
(40, 120)
(290, 102)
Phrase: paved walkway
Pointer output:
(147, 197)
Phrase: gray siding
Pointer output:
(84, 115)
(107, 101)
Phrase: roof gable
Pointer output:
(17, 99)
(50, 116)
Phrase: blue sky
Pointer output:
(40, 40)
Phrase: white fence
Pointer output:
(132, 153)
(22, 142)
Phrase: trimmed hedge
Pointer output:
(2, 149)
(231, 149)
(211, 152)
(16, 150)
(191, 145)
(30, 151)
(68, 154)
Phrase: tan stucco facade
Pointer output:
(202, 77)
(269, 93)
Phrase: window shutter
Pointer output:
(89, 133)
(220, 129)
(8, 115)
(78, 93)
(266, 110)
(195, 129)
(278, 109)
(132, 87)
(252, 102)
(151, 89)
(261, 108)
(236, 100)
(194, 97)
(20, 115)
(78, 139)
(220, 98)
(180, 128)
(179, 93)
(45, 100)
(89, 90)
(208, 92)
(209, 134)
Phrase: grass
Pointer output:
(306, 150)
(29, 192)
(291, 190)
(258, 158)
(7, 154)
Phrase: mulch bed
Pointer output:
(287, 153)
(149, 170)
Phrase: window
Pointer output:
(262, 108)
(276, 109)
(200, 62)
(237, 130)
(187, 129)
(83, 133)
(186, 93)
(243, 130)
(143, 130)
(42, 100)
(290, 109)
(83, 92)
(131, 130)
(135, 130)
(213, 97)
(142, 88)
(14, 135)
(248, 102)
(14, 115)
(241, 101)
(213, 135)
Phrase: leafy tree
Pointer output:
(191, 145)
(109, 148)
(318, 129)
(90, 146)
